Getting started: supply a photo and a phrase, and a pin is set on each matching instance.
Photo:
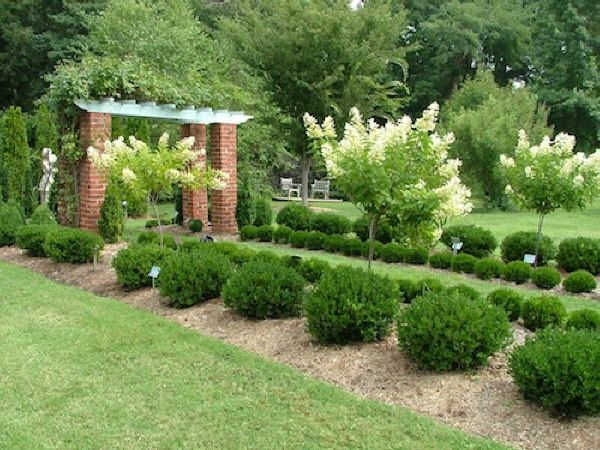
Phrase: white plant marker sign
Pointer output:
(457, 245)
(49, 169)
(529, 259)
(154, 273)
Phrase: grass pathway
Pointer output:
(80, 371)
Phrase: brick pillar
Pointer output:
(224, 157)
(95, 129)
(195, 203)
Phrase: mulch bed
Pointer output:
(484, 403)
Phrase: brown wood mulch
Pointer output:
(485, 403)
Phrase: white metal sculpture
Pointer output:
(49, 170)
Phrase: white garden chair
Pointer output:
(320, 187)
(289, 187)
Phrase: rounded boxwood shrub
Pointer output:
(417, 255)
(545, 277)
(195, 225)
(298, 238)
(151, 223)
(10, 221)
(264, 233)
(584, 319)
(133, 264)
(295, 216)
(330, 223)
(541, 312)
(281, 235)
(393, 253)
(488, 268)
(580, 281)
(31, 238)
(265, 289)
(463, 262)
(517, 245)
(334, 243)
(443, 331)
(579, 254)
(248, 232)
(349, 305)
(408, 290)
(42, 215)
(510, 301)
(441, 260)
(517, 271)
(263, 214)
(560, 370)
(477, 241)
(384, 233)
(72, 245)
(153, 238)
(189, 278)
(465, 290)
(315, 240)
(353, 247)
(428, 285)
(313, 269)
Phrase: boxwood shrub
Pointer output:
(195, 225)
(509, 300)
(312, 269)
(393, 253)
(517, 245)
(517, 271)
(488, 268)
(579, 254)
(189, 278)
(349, 305)
(441, 260)
(334, 243)
(353, 247)
(465, 290)
(72, 245)
(265, 289)
(477, 241)
(584, 319)
(315, 240)
(10, 221)
(133, 264)
(295, 216)
(151, 237)
(385, 233)
(248, 232)
(428, 285)
(463, 262)
(298, 238)
(408, 290)
(560, 370)
(545, 277)
(544, 311)
(264, 233)
(263, 214)
(31, 238)
(580, 281)
(282, 234)
(330, 223)
(417, 255)
(42, 215)
(449, 331)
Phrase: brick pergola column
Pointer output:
(95, 129)
(224, 157)
(195, 202)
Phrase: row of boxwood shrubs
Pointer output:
(485, 268)
(440, 328)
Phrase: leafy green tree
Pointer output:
(485, 120)
(14, 152)
(322, 57)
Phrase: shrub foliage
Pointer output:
(133, 264)
(579, 254)
(477, 241)
(72, 245)
(580, 281)
(541, 312)
(518, 244)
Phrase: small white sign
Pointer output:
(457, 246)
(154, 272)
(529, 259)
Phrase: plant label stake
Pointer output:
(529, 259)
(457, 245)
(154, 273)
(125, 209)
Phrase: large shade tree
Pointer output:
(321, 56)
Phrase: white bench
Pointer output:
(320, 187)
(289, 187)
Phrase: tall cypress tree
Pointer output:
(15, 154)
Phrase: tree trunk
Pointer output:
(538, 239)
(306, 162)
(372, 229)
(154, 202)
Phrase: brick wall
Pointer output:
(95, 129)
(224, 157)
(195, 203)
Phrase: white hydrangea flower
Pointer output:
(128, 175)
(507, 161)
(173, 174)
(188, 142)
(508, 190)
(578, 181)
(528, 172)
(163, 141)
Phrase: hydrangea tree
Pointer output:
(399, 171)
(548, 176)
(156, 171)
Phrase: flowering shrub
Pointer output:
(548, 176)
(398, 171)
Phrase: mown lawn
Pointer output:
(80, 371)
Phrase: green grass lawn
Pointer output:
(417, 273)
(80, 371)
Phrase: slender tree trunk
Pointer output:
(539, 238)
(372, 229)
(306, 163)
(154, 201)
